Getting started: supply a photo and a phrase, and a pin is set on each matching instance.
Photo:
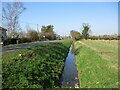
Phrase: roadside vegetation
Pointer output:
(75, 35)
(36, 67)
(97, 63)
(47, 33)
(15, 34)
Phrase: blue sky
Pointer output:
(66, 16)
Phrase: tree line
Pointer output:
(105, 37)
(10, 19)
(85, 34)
(11, 13)
(46, 33)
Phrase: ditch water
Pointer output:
(70, 75)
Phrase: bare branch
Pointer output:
(11, 14)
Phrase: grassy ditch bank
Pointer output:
(94, 70)
(36, 67)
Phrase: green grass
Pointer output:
(94, 70)
(6, 57)
(37, 67)
(108, 50)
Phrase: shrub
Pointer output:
(10, 41)
(33, 35)
(14, 40)
(75, 35)
(24, 40)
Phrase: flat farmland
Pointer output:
(97, 63)
(108, 50)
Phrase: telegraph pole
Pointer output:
(37, 28)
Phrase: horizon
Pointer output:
(66, 16)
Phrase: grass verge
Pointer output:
(94, 71)
(36, 67)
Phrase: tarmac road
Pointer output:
(22, 46)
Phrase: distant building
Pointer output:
(3, 35)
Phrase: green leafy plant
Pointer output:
(37, 67)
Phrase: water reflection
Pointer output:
(70, 75)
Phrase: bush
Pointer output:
(47, 36)
(75, 35)
(24, 40)
(33, 35)
(14, 40)
(10, 41)
(104, 37)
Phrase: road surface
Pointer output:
(21, 46)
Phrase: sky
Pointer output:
(67, 16)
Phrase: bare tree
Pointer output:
(11, 13)
(33, 35)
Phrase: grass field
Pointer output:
(97, 63)
(7, 57)
(36, 67)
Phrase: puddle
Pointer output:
(70, 75)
